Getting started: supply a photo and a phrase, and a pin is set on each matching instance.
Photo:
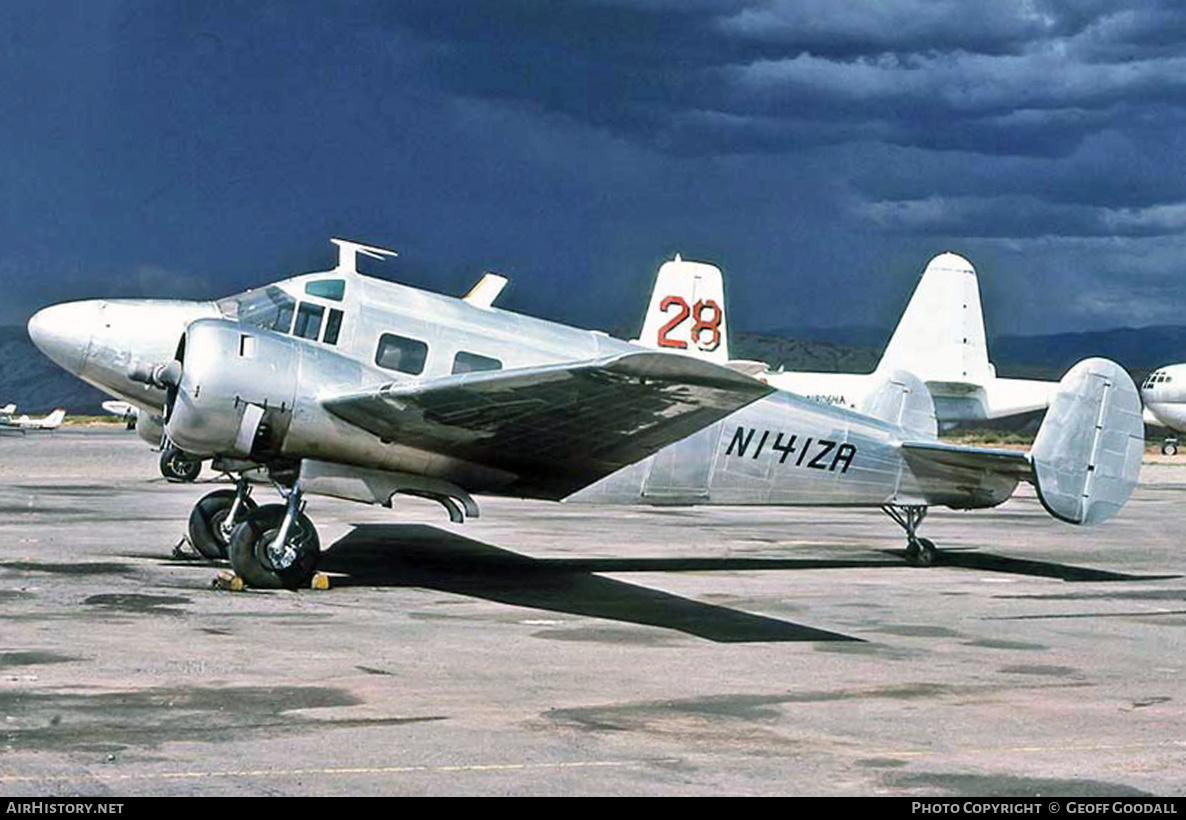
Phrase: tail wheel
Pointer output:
(210, 527)
(921, 552)
(178, 466)
(264, 564)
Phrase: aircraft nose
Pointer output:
(63, 332)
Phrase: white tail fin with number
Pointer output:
(687, 312)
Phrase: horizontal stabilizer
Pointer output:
(1011, 463)
(556, 428)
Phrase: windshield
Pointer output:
(268, 309)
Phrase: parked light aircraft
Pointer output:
(1164, 392)
(345, 385)
(25, 424)
(940, 338)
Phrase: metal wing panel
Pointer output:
(1009, 462)
(556, 428)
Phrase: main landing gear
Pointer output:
(276, 546)
(1169, 447)
(270, 547)
(214, 518)
(919, 551)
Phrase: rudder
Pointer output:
(1087, 454)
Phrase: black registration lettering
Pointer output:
(787, 445)
(762, 443)
(826, 447)
(844, 453)
(803, 453)
(786, 449)
(741, 440)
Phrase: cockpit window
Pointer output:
(267, 309)
(333, 289)
(308, 322)
(333, 327)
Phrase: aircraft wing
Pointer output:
(554, 428)
(1012, 463)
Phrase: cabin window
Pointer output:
(308, 321)
(333, 326)
(267, 309)
(401, 353)
(333, 289)
(465, 362)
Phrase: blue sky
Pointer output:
(819, 152)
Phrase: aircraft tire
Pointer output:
(177, 467)
(1169, 449)
(207, 529)
(252, 560)
(921, 552)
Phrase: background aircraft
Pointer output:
(344, 385)
(24, 424)
(940, 338)
(1164, 392)
(7, 410)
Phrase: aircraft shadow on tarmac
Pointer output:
(418, 555)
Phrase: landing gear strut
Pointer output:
(276, 546)
(919, 551)
(214, 518)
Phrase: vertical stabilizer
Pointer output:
(687, 312)
(941, 335)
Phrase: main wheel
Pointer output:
(209, 526)
(261, 563)
(1169, 449)
(178, 466)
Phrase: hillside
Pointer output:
(36, 385)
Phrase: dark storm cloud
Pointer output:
(814, 149)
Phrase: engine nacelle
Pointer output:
(246, 393)
(149, 428)
(236, 393)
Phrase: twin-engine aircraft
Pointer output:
(1164, 392)
(340, 384)
(940, 338)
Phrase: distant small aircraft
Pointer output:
(1164, 392)
(341, 384)
(25, 424)
(940, 338)
(127, 412)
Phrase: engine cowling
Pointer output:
(236, 392)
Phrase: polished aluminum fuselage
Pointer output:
(782, 450)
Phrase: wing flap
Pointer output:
(554, 428)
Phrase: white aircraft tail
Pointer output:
(7, 410)
(687, 312)
(1087, 454)
(54, 420)
(903, 400)
(943, 326)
